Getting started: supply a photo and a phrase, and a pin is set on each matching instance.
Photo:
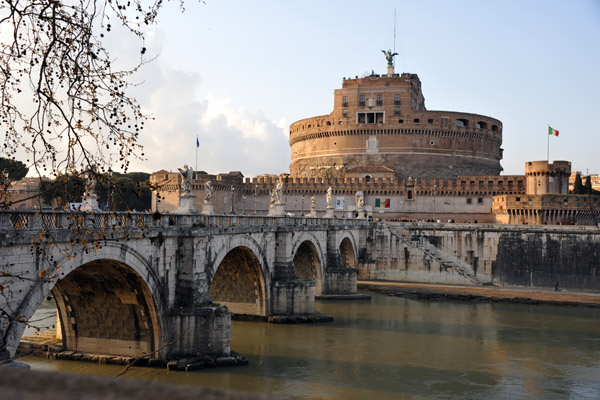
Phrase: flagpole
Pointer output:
(548, 148)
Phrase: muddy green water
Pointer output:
(397, 348)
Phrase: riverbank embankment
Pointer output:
(484, 293)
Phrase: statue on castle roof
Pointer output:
(389, 56)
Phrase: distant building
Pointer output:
(547, 200)
(594, 177)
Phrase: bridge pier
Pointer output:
(294, 297)
(204, 331)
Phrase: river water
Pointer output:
(398, 348)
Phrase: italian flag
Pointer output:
(552, 131)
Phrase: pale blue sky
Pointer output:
(237, 73)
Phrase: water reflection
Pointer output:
(402, 348)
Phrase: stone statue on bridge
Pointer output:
(313, 203)
(277, 193)
(328, 197)
(209, 190)
(186, 174)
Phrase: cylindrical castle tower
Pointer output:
(546, 178)
(380, 122)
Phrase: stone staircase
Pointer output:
(444, 257)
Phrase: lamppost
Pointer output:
(109, 198)
(433, 193)
(302, 209)
(255, 191)
(295, 206)
(232, 196)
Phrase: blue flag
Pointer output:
(197, 141)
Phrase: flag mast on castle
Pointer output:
(551, 132)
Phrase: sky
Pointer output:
(237, 73)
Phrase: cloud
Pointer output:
(231, 137)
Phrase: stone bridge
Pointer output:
(132, 283)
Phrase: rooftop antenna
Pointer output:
(394, 32)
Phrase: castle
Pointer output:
(380, 127)
(409, 163)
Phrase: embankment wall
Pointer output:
(513, 255)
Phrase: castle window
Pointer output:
(479, 200)
(469, 200)
(517, 198)
(344, 112)
(409, 194)
(490, 183)
(361, 100)
(345, 101)
(379, 99)
(397, 99)
(370, 118)
(400, 121)
(417, 120)
(480, 183)
(430, 121)
(368, 179)
(494, 128)
(397, 110)
(444, 120)
(462, 122)
(481, 125)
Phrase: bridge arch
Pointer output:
(347, 250)
(109, 301)
(308, 260)
(240, 279)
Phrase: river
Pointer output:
(398, 348)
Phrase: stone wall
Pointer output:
(484, 254)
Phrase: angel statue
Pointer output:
(90, 182)
(186, 174)
(277, 193)
(313, 203)
(208, 189)
(328, 196)
(389, 56)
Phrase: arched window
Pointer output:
(368, 179)
(409, 195)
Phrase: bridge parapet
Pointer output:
(38, 220)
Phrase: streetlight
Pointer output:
(232, 196)
(255, 191)
(109, 198)
(433, 193)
